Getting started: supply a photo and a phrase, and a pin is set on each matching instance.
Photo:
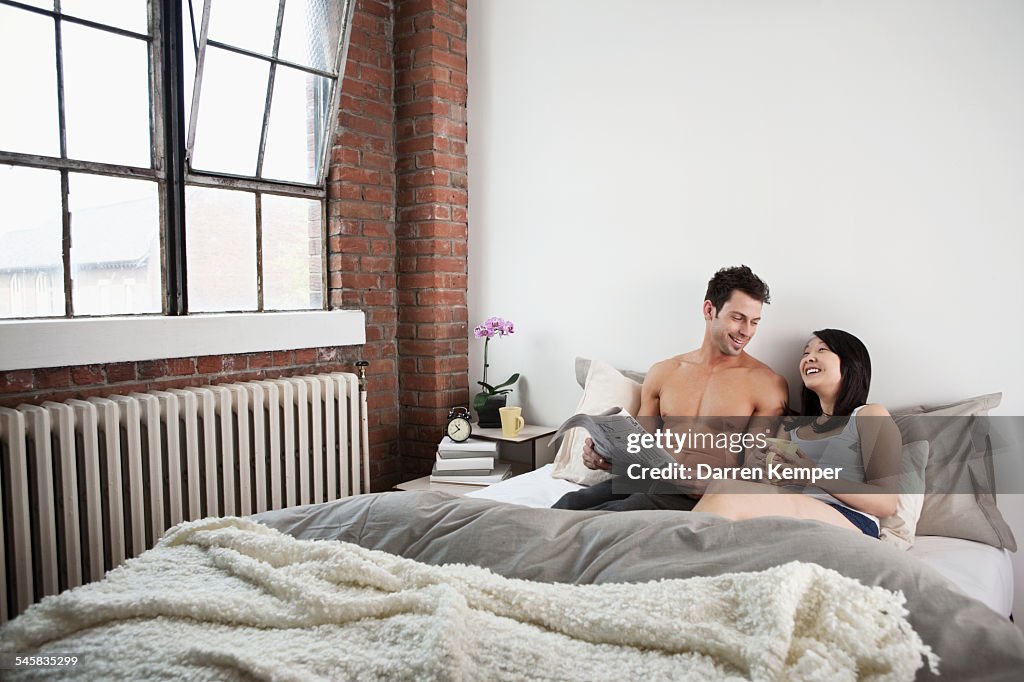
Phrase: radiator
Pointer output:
(85, 484)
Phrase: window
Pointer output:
(126, 191)
(44, 294)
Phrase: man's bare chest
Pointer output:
(702, 393)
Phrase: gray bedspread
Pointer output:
(973, 642)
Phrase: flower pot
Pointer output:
(488, 415)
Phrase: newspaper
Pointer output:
(610, 431)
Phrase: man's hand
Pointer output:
(592, 460)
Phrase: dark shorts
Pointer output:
(863, 523)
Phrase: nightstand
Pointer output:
(526, 451)
(530, 445)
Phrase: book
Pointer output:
(462, 472)
(463, 463)
(500, 473)
(449, 449)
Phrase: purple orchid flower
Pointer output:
(492, 327)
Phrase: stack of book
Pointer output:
(472, 462)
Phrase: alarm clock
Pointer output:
(459, 429)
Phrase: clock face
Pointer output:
(459, 429)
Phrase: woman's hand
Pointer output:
(787, 461)
(592, 460)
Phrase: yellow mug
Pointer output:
(511, 421)
(787, 446)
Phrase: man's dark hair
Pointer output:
(727, 280)
(855, 368)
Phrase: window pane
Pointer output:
(296, 128)
(29, 78)
(190, 39)
(30, 242)
(220, 239)
(310, 31)
(249, 24)
(230, 119)
(126, 14)
(106, 96)
(291, 253)
(115, 245)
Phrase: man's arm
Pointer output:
(772, 398)
(650, 394)
(771, 403)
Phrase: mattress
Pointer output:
(977, 570)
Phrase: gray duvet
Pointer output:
(972, 641)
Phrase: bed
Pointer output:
(491, 528)
(495, 585)
(426, 585)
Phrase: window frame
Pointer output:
(169, 166)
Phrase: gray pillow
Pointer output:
(960, 482)
(970, 407)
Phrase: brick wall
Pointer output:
(396, 245)
(83, 381)
(361, 221)
(432, 229)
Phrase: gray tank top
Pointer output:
(841, 450)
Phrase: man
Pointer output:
(719, 379)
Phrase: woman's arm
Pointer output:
(880, 447)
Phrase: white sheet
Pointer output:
(532, 489)
(979, 571)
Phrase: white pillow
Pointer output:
(898, 529)
(605, 387)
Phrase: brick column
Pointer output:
(432, 228)
(361, 224)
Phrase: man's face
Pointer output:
(735, 324)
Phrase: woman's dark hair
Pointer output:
(727, 280)
(855, 367)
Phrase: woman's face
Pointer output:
(820, 368)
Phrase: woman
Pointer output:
(839, 431)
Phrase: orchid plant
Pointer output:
(493, 327)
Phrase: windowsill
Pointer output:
(30, 344)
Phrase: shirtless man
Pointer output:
(719, 379)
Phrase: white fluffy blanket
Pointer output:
(229, 598)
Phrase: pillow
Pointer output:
(898, 530)
(959, 500)
(583, 368)
(605, 387)
(971, 407)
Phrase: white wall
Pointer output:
(866, 158)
